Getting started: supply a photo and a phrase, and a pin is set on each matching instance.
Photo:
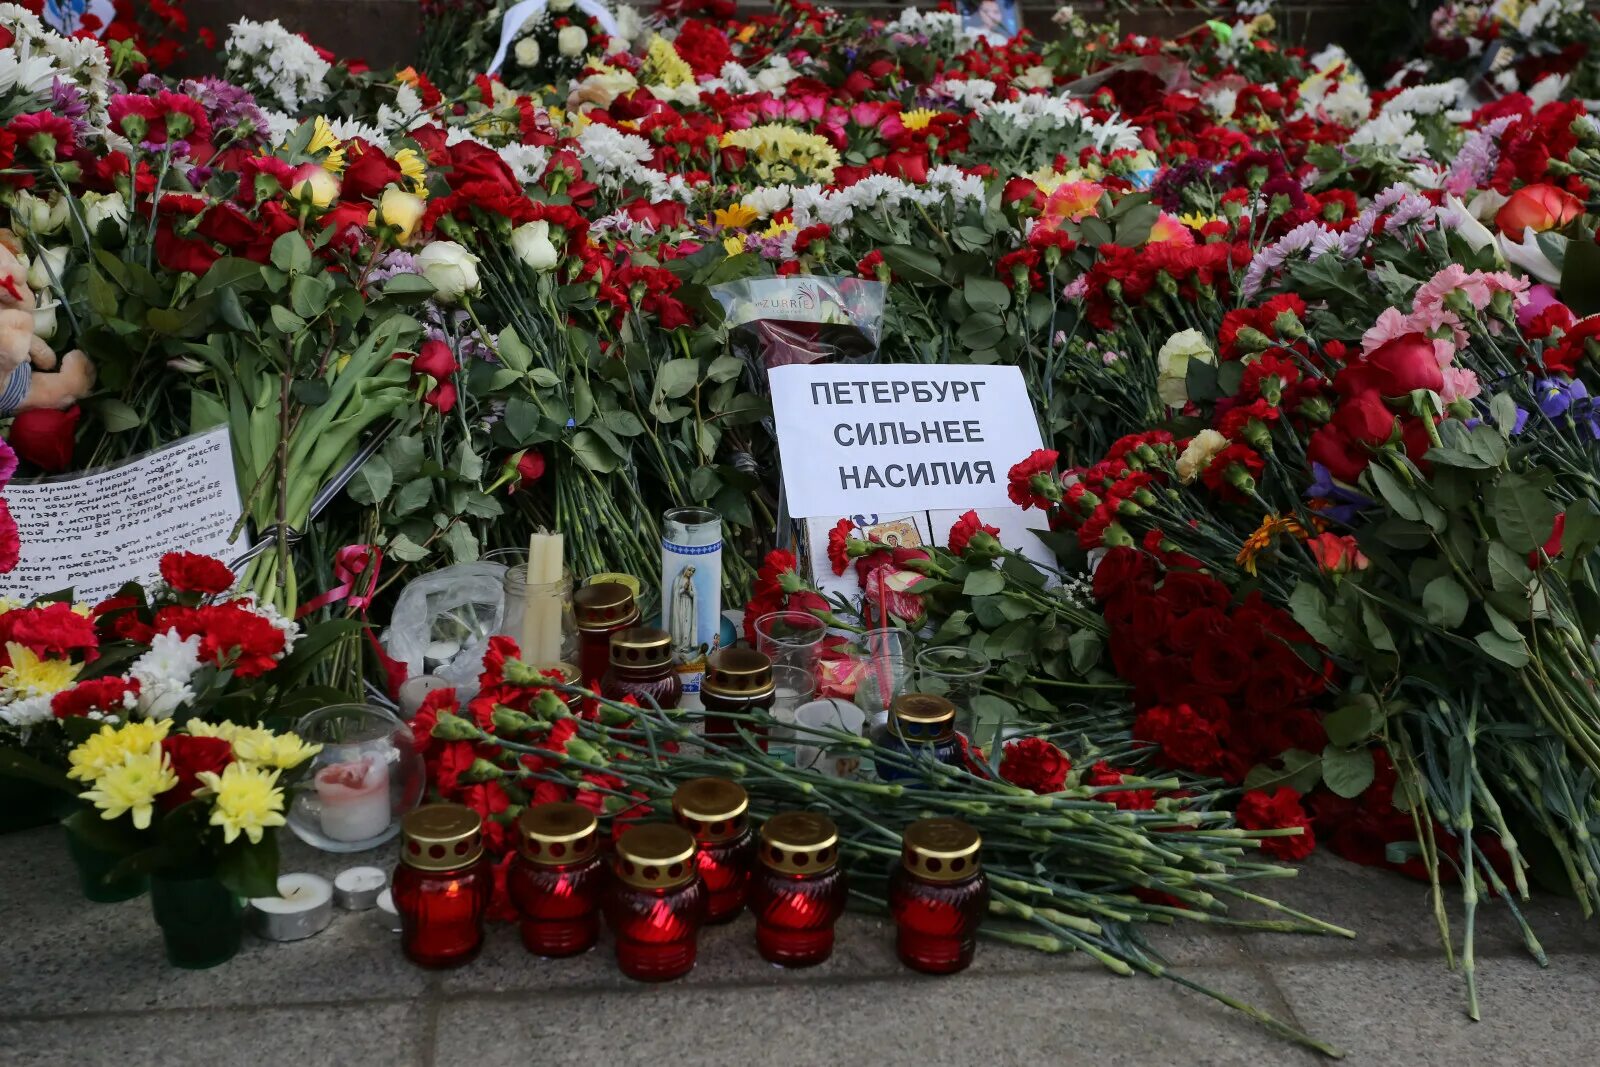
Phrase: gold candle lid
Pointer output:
(557, 833)
(604, 606)
(923, 716)
(940, 850)
(641, 647)
(738, 672)
(656, 855)
(711, 808)
(441, 837)
(799, 842)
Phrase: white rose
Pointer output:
(531, 243)
(1172, 365)
(1468, 228)
(629, 24)
(44, 321)
(105, 207)
(527, 52)
(37, 215)
(47, 268)
(451, 269)
(1197, 456)
(571, 41)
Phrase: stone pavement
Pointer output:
(85, 985)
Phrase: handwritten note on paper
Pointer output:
(97, 531)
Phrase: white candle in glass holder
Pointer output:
(541, 613)
(354, 796)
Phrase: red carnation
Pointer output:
(1034, 763)
(95, 694)
(1260, 810)
(839, 545)
(1031, 482)
(971, 539)
(1187, 741)
(189, 758)
(49, 630)
(190, 572)
(1103, 774)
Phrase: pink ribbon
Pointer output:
(350, 563)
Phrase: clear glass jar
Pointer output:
(368, 775)
(539, 618)
(957, 674)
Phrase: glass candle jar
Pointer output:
(713, 810)
(641, 666)
(797, 891)
(556, 878)
(539, 617)
(920, 725)
(601, 610)
(442, 885)
(938, 896)
(656, 903)
(738, 681)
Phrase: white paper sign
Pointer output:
(95, 532)
(899, 439)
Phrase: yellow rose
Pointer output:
(400, 209)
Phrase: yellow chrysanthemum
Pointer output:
(133, 785)
(106, 749)
(323, 140)
(777, 229)
(736, 217)
(31, 676)
(785, 154)
(201, 728)
(1262, 538)
(733, 245)
(918, 119)
(1196, 221)
(413, 166)
(665, 66)
(282, 751)
(247, 800)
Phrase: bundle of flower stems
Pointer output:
(1067, 871)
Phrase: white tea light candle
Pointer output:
(358, 888)
(387, 914)
(302, 908)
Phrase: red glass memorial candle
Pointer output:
(641, 666)
(738, 681)
(601, 609)
(797, 891)
(556, 879)
(442, 885)
(656, 903)
(713, 810)
(938, 895)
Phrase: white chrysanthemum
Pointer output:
(955, 185)
(454, 135)
(1113, 134)
(1348, 104)
(734, 78)
(1397, 131)
(1536, 16)
(29, 711)
(346, 129)
(811, 204)
(1222, 102)
(164, 672)
(1426, 99)
(612, 149)
(277, 63)
(527, 162)
(969, 92)
(767, 200)
(630, 27)
(775, 75)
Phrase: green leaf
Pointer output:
(1511, 653)
(227, 273)
(1084, 647)
(250, 870)
(1503, 410)
(1355, 722)
(1401, 500)
(1348, 772)
(286, 321)
(406, 550)
(1310, 610)
(313, 393)
(1508, 572)
(982, 329)
(1580, 278)
(460, 541)
(408, 288)
(1445, 603)
(1377, 630)
(289, 252)
(1201, 382)
(1523, 514)
(914, 265)
(725, 368)
(986, 294)
(984, 583)
(1582, 530)
(116, 416)
(372, 481)
(593, 453)
(405, 456)
(413, 495)
(677, 377)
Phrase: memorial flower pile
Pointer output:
(1310, 347)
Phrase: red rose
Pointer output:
(1537, 207)
(1186, 591)
(1260, 810)
(45, 438)
(1364, 417)
(530, 468)
(1337, 553)
(1022, 193)
(1344, 456)
(1223, 667)
(972, 539)
(189, 757)
(1406, 363)
(1536, 559)
(190, 572)
(1034, 763)
(435, 360)
(367, 171)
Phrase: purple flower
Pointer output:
(1521, 423)
(1346, 503)
(1556, 395)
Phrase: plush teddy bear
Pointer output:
(30, 374)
